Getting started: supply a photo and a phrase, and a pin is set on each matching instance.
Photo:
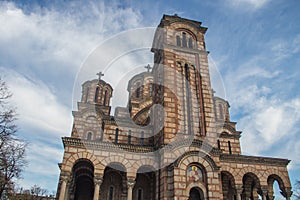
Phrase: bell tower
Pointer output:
(182, 81)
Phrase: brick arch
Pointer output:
(185, 161)
(71, 160)
(196, 157)
(246, 170)
(145, 162)
(278, 173)
(118, 159)
(230, 170)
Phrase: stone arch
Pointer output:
(251, 186)
(278, 173)
(71, 160)
(232, 171)
(118, 159)
(197, 185)
(150, 163)
(228, 185)
(196, 157)
(246, 170)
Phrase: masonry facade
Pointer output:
(174, 140)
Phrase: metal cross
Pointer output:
(99, 75)
(148, 68)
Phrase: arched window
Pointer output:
(150, 89)
(221, 111)
(191, 45)
(229, 147)
(87, 94)
(129, 137)
(96, 95)
(116, 135)
(186, 69)
(178, 40)
(102, 131)
(184, 41)
(140, 194)
(142, 138)
(105, 97)
(138, 90)
(111, 193)
(89, 136)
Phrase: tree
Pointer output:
(297, 190)
(12, 149)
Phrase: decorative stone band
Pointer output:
(254, 159)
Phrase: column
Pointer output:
(97, 181)
(264, 193)
(130, 184)
(288, 193)
(239, 192)
(64, 178)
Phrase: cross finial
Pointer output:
(148, 67)
(100, 74)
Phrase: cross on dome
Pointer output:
(148, 67)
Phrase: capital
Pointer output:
(130, 183)
(98, 180)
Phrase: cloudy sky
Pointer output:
(254, 50)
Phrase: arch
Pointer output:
(117, 159)
(251, 185)
(228, 185)
(196, 157)
(271, 179)
(275, 171)
(144, 187)
(71, 160)
(89, 136)
(196, 194)
(82, 185)
(146, 164)
(199, 186)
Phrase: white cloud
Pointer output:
(255, 4)
(37, 106)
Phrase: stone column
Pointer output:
(130, 184)
(97, 182)
(264, 193)
(239, 192)
(64, 177)
(288, 193)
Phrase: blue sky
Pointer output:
(254, 44)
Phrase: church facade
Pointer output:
(174, 140)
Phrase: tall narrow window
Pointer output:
(116, 135)
(140, 194)
(229, 147)
(219, 145)
(150, 89)
(186, 69)
(111, 193)
(87, 94)
(102, 131)
(184, 42)
(221, 111)
(96, 95)
(129, 137)
(142, 138)
(89, 136)
(191, 45)
(178, 40)
(105, 97)
(138, 90)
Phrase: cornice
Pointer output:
(253, 160)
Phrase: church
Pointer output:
(174, 140)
